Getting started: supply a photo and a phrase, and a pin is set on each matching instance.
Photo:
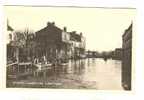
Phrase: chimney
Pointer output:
(81, 34)
(53, 23)
(74, 32)
(65, 29)
(50, 24)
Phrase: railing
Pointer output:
(12, 64)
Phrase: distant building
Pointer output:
(92, 54)
(127, 58)
(117, 54)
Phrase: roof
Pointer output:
(49, 34)
(75, 37)
(128, 29)
(48, 26)
(9, 28)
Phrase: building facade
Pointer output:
(127, 58)
(57, 44)
(117, 54)
(12, 49)
(12, 53)
(49, 42)
(77, 45)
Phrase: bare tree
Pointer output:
(25, 41)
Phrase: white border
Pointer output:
(88, 94)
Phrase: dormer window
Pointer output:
(10, 37)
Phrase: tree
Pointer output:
(21, 37)
(25, 42)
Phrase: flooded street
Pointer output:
(92, 73)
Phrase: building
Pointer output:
(52, 42)
(77, 45)
(12, 50)
(127, 58)
(117, 54)
(10, 35)
(58, 44)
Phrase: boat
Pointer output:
(43, 66)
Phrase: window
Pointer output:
(10, 36)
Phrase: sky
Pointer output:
(102, 27)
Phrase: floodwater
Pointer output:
(90, 73)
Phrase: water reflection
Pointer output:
(92, 73)
(88, 73)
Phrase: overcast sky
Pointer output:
(103, 28)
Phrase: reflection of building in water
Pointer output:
(127, 57)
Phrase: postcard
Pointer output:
(59, 47)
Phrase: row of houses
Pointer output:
(51, 43)
(115, 54)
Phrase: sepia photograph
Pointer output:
(59, 47)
